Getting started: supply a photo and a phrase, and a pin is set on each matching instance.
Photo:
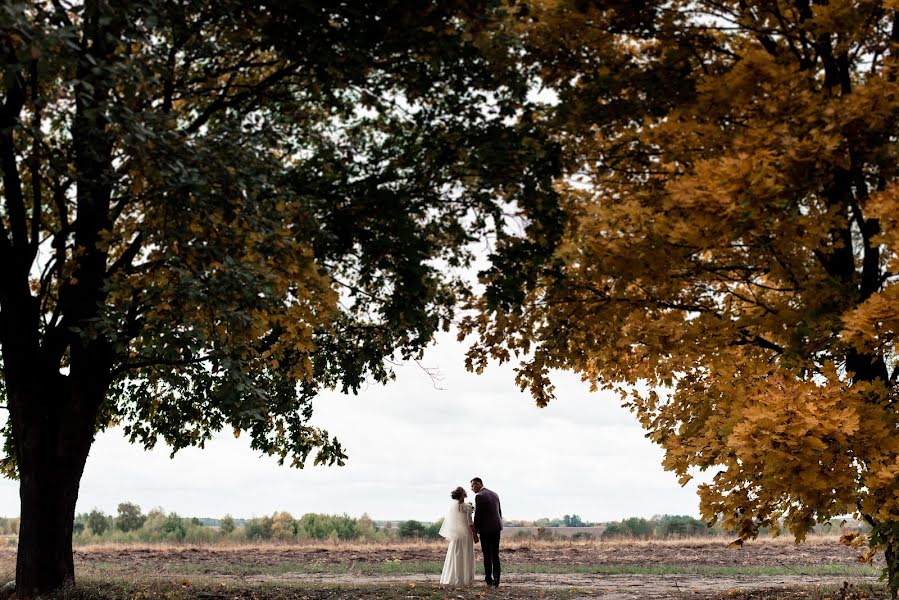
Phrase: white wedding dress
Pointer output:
(458, 568)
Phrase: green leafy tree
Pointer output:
(226, 526)
(173, 528)
(98, 522)
(322, 527)
(129, 517)
(573, 521)
(412, 529)
(212, 210)
(673, 526)
(432, 531)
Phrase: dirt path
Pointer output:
(608, 587)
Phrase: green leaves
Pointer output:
(238, 205)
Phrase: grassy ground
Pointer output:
(699, 569)
(433, 568)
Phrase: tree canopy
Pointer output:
(224, 200)
(212, 210)
(729, 257)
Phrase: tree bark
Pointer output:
(889, 555)
(53, 426)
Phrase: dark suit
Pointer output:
(488, 522)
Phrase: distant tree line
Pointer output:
(661, 527)
(131, 524)
(565, 521)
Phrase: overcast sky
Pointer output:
(409, 444)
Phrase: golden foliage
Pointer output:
(731, 246)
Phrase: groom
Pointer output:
(488, 523)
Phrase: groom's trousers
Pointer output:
(490, 549)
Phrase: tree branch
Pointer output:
(12, 181)
(125, 259)
(36, 186)
(224, 101)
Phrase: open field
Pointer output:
(697, 568)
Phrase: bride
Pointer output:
(458, 569)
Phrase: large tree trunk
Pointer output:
(892, 567)
(53, 427)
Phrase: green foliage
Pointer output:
(226, 525)
(159, 526)
(660, 527)
(258, 173)
(574, 521)
(173, 528)
(672, 526)
(98, 522)
(129, 517)
(322, 527)
(258, 529)
(433, 530)
(634, 527)
(416, 529)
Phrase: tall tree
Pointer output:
(211, 210)
(731, 247)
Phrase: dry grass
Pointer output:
(412, 545)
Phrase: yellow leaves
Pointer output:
(873, 326)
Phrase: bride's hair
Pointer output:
(457, 493)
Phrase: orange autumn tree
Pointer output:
(730, 256)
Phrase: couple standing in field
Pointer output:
(463, 532)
